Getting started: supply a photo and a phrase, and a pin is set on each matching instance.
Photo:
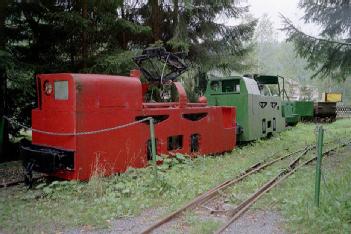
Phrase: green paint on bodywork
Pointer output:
(257, 115)
(304, 108)
(294, 111)
(291, 117)
(267, 79)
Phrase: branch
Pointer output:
(290, 24)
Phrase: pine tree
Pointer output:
(214, 44)
(102, 36)
(330, 53)
(3, 59)
(59, 36)
(70, 35)
(192, 26)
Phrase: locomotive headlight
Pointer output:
(48, 87)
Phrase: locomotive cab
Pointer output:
(54, 115)
(71, 105)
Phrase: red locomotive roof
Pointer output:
(92, 91)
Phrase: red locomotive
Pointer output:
(69, 142)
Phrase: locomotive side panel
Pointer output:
(195, 131)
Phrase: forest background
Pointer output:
(102, 36)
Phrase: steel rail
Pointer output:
(17, 182)
(10, 184)
(245, 205)
(214, 191)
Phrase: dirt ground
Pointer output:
(255, 222)
(258, 222)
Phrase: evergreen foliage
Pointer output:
(101, 36)
(271, 56)
(195, 27)
(328, 54)
(69, 35)
(60, 36)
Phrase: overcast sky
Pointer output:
(288, 8)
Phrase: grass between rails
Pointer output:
(295, 197)
(65, 205)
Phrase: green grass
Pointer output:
(295, 198)
(66, 205)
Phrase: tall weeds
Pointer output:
(96, 187)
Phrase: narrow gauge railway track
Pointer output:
(11, 183)
(18, 182)
(13, 174)
(245, 205)
(251, 170)
(291, 169)
(254, 168)
(210, 194)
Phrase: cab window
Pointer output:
(61, 89)
(215, 85)
(231, 86)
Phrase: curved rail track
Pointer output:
(253, 169)
(245, 205)
(206, 196)
(235, 213)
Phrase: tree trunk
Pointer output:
(175, 14)
(3, 133)
(84, 34)
(124, 42)
(155, 20)
(4, 137)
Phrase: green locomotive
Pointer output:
(292, 111)
(259, 112)
(263, 107)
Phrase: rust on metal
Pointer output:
(214, 191)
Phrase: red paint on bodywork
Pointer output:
(101, 101)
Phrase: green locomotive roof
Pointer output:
(267, 79)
